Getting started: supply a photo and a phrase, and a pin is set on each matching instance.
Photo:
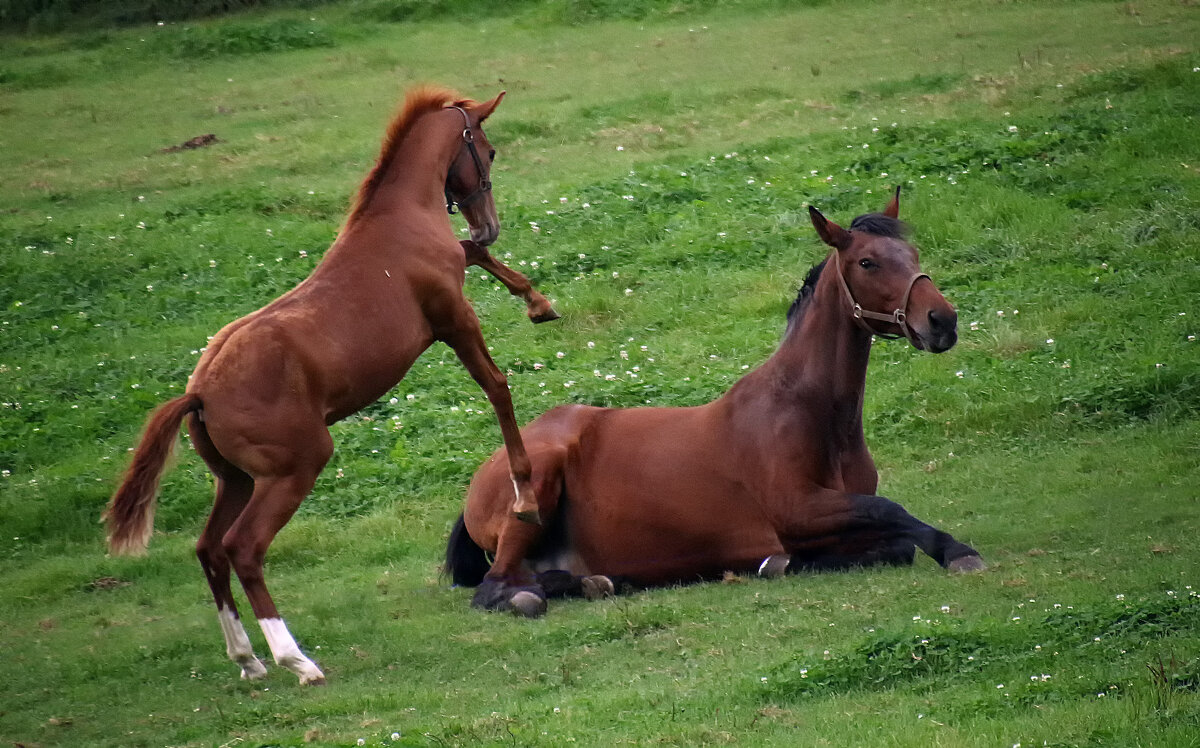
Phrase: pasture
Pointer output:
(653, 175)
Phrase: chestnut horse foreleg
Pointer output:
(466, 339)
(537, 306)
(273, 503)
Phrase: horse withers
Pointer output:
(269, 384)
(773, 476)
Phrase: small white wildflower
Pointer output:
(629, 292)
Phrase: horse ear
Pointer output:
(484, 110)
(832, 234)
(893, 207)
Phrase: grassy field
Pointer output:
(655, 164)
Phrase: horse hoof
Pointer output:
(254, 670)
(549, 315)
(597, 587)
(532, 516)
(775, 566)
(527, 604)
(313, 681)
(967, 564)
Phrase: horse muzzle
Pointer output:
(485, 234)
(940, 333)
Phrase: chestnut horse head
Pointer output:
(878, 270)
(469, 183)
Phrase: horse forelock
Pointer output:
(806, 293)
(880, 225)
(417, 102)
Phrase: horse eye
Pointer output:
(866, 264)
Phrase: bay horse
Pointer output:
(773, 476)
(269, 384)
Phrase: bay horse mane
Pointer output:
(417, 102)
(869, 223)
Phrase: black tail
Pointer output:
(466, 563)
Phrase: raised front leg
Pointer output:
(537, 306)
(466, 339)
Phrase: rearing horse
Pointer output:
(774, 476)
(269, 384)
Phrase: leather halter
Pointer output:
(485, 184)
(898, 316)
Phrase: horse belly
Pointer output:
(650, 502)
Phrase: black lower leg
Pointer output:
(495, 594)
(892, 519)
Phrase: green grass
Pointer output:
(665, 158)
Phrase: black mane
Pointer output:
(806, 292)
(880, 225)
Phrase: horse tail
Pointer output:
(130, 512)
(466, 562)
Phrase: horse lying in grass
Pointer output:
(269, 384)
(774, 476)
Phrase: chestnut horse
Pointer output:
(773, 476)
(269, 384)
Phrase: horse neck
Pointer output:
(821, 364)
(415, 174)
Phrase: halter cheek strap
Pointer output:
(898, 317)
(485, 184)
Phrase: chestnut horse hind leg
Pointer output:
(537, 306)
(234, 489)
(283, 453)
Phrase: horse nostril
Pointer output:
(943, 321)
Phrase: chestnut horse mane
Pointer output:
(417, 102)
(869, 223)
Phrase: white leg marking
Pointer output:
(237, 645)
(287, 654)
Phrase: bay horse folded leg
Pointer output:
(537, 306)
(872, 531)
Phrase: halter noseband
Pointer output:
(485, 184)
(898, 316)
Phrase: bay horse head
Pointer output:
(877, 269)
(469, 183)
